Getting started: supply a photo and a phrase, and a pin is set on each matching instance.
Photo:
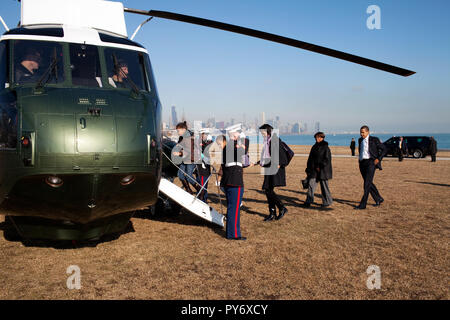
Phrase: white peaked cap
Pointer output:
(234, 128)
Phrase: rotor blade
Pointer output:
(275, 38)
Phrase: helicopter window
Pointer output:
(107, 38)
(51, 32)
(85, 65)
(3, 66)
(149, 71)
(36, 61)
(8, 122)
(8, 110)
(126, 69)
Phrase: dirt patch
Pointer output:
(309, 254)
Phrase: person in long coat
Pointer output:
(184, 153)
(319, 170)
(274, 161)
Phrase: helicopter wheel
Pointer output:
(10, 232)
(165, 207)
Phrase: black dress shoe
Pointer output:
(239, 238)
(378, 203)
(359, 207)
(306, 205)
(270, 217)
(282, 213)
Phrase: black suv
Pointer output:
(418, 146)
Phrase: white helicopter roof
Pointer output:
(97, 14)
(82, 21)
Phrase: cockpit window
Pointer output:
(3, 65)
(36, 61)
(126, 69)
(85, 65)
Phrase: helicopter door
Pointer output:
(96, 134)
(96, 129)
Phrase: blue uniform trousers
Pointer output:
(202, 181)
(234, 199)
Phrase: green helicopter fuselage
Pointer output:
(80, 139)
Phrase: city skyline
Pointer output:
(287, 126)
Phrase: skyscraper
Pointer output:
(317, 126)
(174, 117)
(296, 128)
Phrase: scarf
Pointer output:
(265, 153)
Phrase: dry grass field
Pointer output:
(309, 254)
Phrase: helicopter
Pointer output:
(81, 140)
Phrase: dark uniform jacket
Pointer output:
(278, 179)
(23, 75)
(320, 157)
(353, 145)
(204, 169)
(433, 146)
(232, 172)
(377, 150)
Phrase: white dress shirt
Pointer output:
(364, 152)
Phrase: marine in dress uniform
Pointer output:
(232, 181)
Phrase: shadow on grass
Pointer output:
(350, 203)
(430, 183)
(10, 234)
(181, 217)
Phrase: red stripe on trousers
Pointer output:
(237, 211)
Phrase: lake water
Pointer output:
(443, 139)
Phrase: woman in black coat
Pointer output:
(274, 171)
(319, 170)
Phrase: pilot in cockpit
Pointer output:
(120, 76)
(26, 70)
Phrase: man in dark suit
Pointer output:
(371, 152)
(433, 149)
(353, 146)
(402, 148)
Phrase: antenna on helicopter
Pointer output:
(4, 24)
(139, 27)
(275, 38)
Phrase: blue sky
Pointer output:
(209, 72)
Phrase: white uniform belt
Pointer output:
(232, 164)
